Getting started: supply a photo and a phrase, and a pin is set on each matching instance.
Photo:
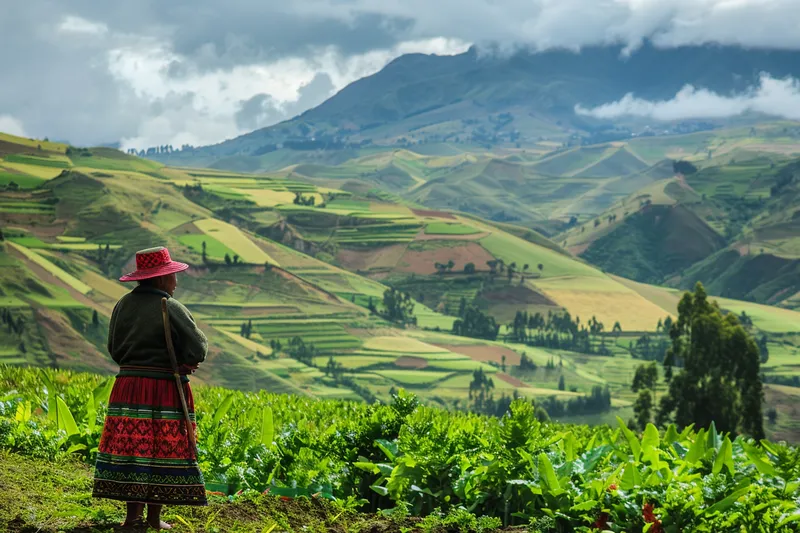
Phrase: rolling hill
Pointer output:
(278, 257)
(451, 103)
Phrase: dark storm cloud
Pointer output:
(62, 82)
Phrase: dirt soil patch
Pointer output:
(373, 258)
(484, 353)
(431, 213)
(516, 294)
(187, 229)
(423, 261)
(408, 361)
(511, 380)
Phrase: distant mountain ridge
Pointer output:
(483, 99)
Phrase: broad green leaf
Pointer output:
(76, 448)
(767, 445)
(267, 428)
(222, 410)
(570, 446)
(697, 450)
(593, 456)
(102, 392)
(585, 506)
(91, 414)
(388, 448)
(52, 405)
(633, 442)
(724, 457)
(650, 438)
(761, 462)
(547, 476)
(671, 436)
(713, 442)
(366, 466)
(65, 419)
(726, 503)
(794, 517)
(631, 477)
(650, 443)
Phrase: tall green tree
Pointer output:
(719, 368)
(644, 382)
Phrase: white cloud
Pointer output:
(776, 97)
(9, 124)
(202, 105)
(73, 24)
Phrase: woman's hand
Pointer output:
(187, 369)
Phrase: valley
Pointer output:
(293, 269)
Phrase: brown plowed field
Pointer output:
(408, 361)
(423, 262)
(431, 213)
(384, 257)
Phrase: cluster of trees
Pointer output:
(398, 307)
(653, 347)
(526, 364)
(15, 324)
(441, 268)
(162, 149)
(473, 322)
(301, 351)
(246, 329)
(480, 390)
(107, 258)
(644, 383)
(598, 401)
(560, 331)
(683, 167)
(498, 266)
(299, 199)
(719, 371)
(228, 260)
(333, 368)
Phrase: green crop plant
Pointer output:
(405, 458)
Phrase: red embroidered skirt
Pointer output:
(144, 454)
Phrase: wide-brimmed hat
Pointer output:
(152, 263)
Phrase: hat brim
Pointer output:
(162, 270)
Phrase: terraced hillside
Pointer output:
(730, 225)
(289, 275)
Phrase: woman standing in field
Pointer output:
(146, 455)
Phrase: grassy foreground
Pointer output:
(44, 496)
(398, 460)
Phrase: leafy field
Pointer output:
(328, 267)
(517, 470)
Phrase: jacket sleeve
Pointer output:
(111, 327)
(191, 344)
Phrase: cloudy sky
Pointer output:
(200, 71)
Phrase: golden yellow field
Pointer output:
(47, 173)
(234, 239)
(616, 303)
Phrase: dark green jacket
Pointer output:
(136, 332)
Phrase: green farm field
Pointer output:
(319, 273)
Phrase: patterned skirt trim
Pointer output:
(144, 454)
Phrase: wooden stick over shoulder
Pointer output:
(174, 362)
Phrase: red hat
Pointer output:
(152, 263)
